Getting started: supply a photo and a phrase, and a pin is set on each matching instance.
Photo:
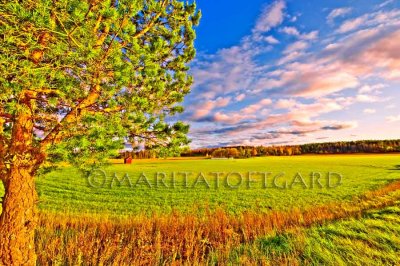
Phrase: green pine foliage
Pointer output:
(119, 69)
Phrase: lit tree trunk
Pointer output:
(18, 217)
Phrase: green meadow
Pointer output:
(368, 240)
(195, 185)
(268, 211)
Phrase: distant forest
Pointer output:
(342, 147)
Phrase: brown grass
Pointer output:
(177, 238)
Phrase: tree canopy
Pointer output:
(90, 75)
(78, 78)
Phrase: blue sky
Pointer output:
(290, 72)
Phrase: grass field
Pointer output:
(85, 222)
(372, 239)
(66, 191)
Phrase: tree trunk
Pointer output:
(18, 219)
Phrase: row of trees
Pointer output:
(152, 152)
(362, 146)
(233, 153)
(143, 154)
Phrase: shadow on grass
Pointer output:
(396, 167)
(275, 245)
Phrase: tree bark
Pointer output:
(18, 218)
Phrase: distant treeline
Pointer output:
(362, 146)
(342, 147)
(143, 154)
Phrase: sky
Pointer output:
(291, 72)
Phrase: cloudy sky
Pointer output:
(289, 72)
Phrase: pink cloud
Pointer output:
(341, 66)
(251, 109)
(290, 31)
(271, 16)
(299, 115)
(371, 88)
(309, 36)
(365, 98)
(368, 20)
(338, 12)
(320, 83)
(202, 110)
(295, 32)
(384, 54)
(231, 118)
(240, 97)
(285, 103)
(393, 118)
(367, 53)
(390, 106)
(369, 111)
(290, 57)
(271, 40)
(322, 105)
(305, 122)
(352, 24)
(296, 46)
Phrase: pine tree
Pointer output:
(77, 79)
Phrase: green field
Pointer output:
(64, 190)
(301, 224)
(371, 240)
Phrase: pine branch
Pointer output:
(151, 23)
(70, 117)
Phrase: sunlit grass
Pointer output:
(66, 191)
(214, 237)
(80, 224)
(372, 239)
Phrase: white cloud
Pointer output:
(375, 19)
(290, 31)
(372, 53)
(271, 16)
(365, 98)
(285, 103)
(231, 118)
(303, 36)
(251, 109)
(385, 3)
(293, 19)
(390, 106)
(393, 118)
(352, 24)
(290, 57)
(338, 12)
(240, 97)
(309, 36)
(296, 46)
(229, 70)
(309, 82)
(233, 69)
(271, 40)
(369, 111)
(371, 88)
(201, 110)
